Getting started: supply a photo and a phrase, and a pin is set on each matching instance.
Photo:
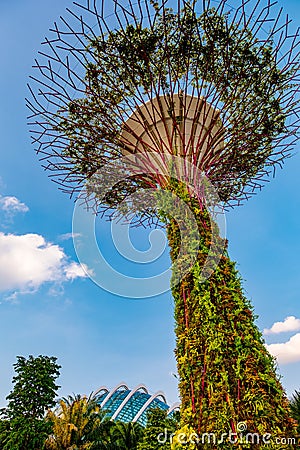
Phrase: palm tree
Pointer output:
(126, 435)
(78, 423)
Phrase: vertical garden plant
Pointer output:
(199, 100)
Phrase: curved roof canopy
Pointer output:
(131, 405)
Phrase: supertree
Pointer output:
(179, 96)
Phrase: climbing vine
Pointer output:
(226, 374)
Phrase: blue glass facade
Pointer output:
(131, 405)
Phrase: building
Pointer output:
(131, 405)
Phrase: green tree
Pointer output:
(158, 431)
(33, 393)
(295, 408)
(126, 435)
(78, 423)
(4, 430)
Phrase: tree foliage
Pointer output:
(78, 422)
(158, 431)
(33, 393)
(226, 374)
(126, 436)
(295, 408)
(208, 55)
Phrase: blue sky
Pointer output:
(48, 306)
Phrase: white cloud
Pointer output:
(66, 236)
(75, 270)
(27, 261)
(287, 352)
(12, 205)
(290, 323)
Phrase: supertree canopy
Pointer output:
(98, 72)
(186, 90)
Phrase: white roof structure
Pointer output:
(131, 405)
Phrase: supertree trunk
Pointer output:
(226, 374)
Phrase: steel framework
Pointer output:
(96, 72)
